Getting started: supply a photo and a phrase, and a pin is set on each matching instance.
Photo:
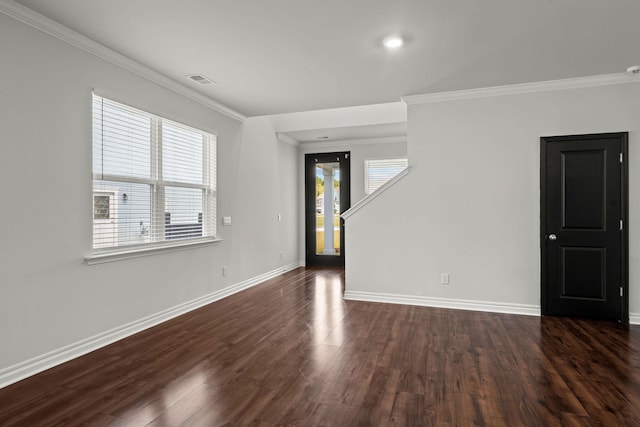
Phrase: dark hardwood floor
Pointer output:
(292, 352)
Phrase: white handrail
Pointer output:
(362, 203)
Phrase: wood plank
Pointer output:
(291, 351)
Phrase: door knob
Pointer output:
(552, 237)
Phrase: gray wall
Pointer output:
(360, 150)
(49, 297)
(470, 205)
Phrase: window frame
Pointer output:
(157, 186)
(373, 159)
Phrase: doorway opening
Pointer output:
(327, 195)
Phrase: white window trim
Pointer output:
(111, 254)
(137, 251)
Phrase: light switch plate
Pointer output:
(226, 220)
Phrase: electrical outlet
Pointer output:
(224, 271)
(444, 278)
(280, 255)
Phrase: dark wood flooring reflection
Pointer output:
(292, 352)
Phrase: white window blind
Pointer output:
(379, 171)
(154, 180)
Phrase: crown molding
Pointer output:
(59, 31)
(523, 88)
(287, 139)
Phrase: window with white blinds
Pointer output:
(379, 171)
(154, 180)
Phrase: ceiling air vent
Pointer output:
(202, 79)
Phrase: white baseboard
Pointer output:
(493, 307)
(634, 318)
(30, 367)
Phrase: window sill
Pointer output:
(136, 252)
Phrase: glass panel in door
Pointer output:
(327, 209)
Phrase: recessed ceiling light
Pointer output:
(393, 42)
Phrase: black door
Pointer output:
(327, 195)
(583, 226)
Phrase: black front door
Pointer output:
(327, 195)
(583, 226)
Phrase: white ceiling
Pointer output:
(281, 56)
